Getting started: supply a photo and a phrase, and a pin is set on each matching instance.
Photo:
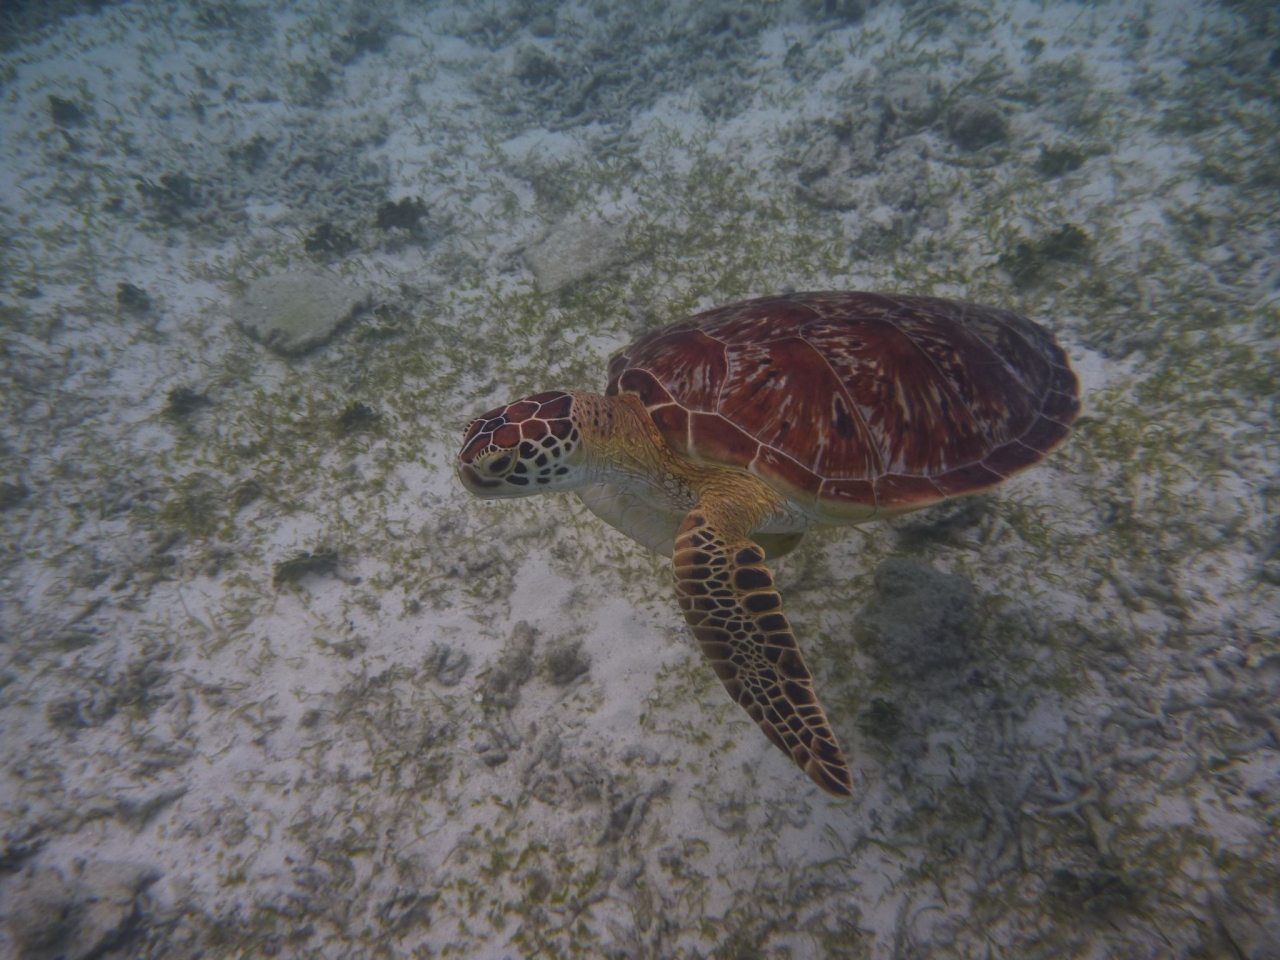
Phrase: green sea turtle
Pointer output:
(723, 437)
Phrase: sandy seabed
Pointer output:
(272, 684)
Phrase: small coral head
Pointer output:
(525, 447)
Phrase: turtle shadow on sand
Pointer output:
(920, 623)
(948, 714)
(920, 627)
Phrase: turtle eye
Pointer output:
(499, 466)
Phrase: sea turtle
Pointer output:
(723, 437)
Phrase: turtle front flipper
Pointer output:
(729, 601)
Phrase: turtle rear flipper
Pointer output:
(728, 598)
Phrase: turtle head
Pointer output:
(526, 447)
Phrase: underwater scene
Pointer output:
(917, 597)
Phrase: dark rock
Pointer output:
(171, 198)
(1059, 159)
(974, 123)
(67, 113)
(318, 86)
(133, 299)
(794, 61)
(1068, 242)
(326, 239)
(323, 563)
(493, 757)
(848, 11)
(244, 494)
(565, 662)
(12, 494)
(355, 417)
(183, 401)
(405, 214)
(251, 154)
(533, 66)
(366, 35)
(920, 619)
(1029, 258)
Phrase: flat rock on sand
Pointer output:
(77, 914)
(297, 311)
(573, 250)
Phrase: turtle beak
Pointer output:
(475, 481)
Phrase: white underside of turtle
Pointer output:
(636, 507)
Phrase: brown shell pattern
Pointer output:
(856, 403)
